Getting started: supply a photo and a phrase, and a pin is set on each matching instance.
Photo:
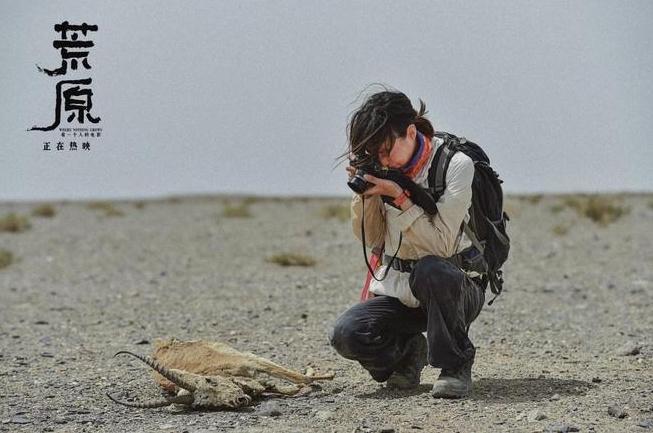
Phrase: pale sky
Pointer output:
(254, 96)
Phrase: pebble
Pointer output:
(555, 397)
(645, 423)
(596, 380)
(536, 415)
(629, 349)
(17, 419)
(387, 430)
(617, 411)
(269, 408)
(560, 427)
(324, 415)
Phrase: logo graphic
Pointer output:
(73, 97)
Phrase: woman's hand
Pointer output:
(382, 187)
(351, 171)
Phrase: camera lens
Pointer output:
(358, 184)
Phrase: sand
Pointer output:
(84, 285)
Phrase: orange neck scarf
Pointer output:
(421, 158)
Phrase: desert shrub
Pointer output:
(560, 229)
(557, 208)
(601, 210)
(291, 259)
(6, 258)
(252, 199)
(575, 202)
(139, 204)
(44, 210)
(236, 211)
(533, 198)
(337, 211)
(14, 223)
(650, 204)
(108, 208)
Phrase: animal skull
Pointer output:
(213, 375)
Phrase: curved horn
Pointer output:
(322, 376)
(149, 405)
(163, 371)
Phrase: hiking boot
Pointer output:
(409, 370)
(454, 383)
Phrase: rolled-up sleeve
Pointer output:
(374, 219)
(437, 235)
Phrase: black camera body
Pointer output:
(420, 196)
(358, 184)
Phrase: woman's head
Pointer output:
(383, 118)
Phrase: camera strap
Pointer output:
(369, 267)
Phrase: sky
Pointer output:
(253, 97)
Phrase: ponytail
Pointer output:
(422, 124)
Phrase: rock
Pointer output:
(143, 341)
(617, 411)
(269, 408)
(17, 419)
(535, 415)
(596, 380)
(555, 397)
(645, 423)
(386, 430)
(629, 349)
(324, 415)
(560, 427)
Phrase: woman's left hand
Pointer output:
(382, 187)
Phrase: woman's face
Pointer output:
(399, 153)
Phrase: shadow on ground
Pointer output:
(500, 390)
(527, 389)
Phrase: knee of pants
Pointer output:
(434, 272)
(341, 337)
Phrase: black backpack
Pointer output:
(487, 224)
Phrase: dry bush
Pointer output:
(291, 259)
(139, 204)
(533, 198)
(6, 258)
(650, 204)
(601, 210)
(557, 208)
(44, 210)
(108, 208)
(252, 199)
(604, 211)
(14, 223)
(236, 211)
(560, 229)
(337, 211)
(575, 202)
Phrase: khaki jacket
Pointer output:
(422, 235)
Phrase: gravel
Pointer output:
(84, 286)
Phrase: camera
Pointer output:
(358, 184)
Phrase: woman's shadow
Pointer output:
(514, 390)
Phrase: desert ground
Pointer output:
(568, 346)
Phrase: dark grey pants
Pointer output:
(375, 332)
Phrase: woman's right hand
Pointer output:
(351, 171)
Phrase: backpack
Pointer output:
(487, 225)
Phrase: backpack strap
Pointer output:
(472, 237)
(438, 171)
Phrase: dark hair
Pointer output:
(383, 117)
